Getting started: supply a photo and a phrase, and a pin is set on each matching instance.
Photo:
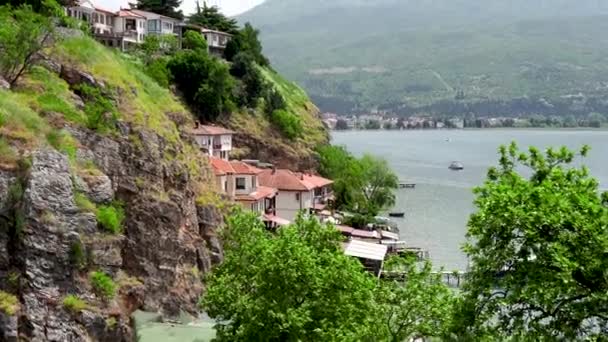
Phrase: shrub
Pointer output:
(110, 217)
(157, 70)
(194, 41)
(9, 304)
(111, 322)
(103, 285)
(7, 154)
(83, 203)
(288, 123)
(77, 255)
(74, 304)
(100, 111)
(274, 101)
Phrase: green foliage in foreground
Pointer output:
(103, 285)
(364, 185)
(538, 248)
(297, 284)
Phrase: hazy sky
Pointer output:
(229, 7)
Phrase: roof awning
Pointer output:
(389, 236)
(366, 250)
(275, 219)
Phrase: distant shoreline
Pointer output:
(576, 129)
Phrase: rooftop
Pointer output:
(366, 250)
(222, 167)
(210, 130)
(129, 13)
(260, 193)
(283, 179)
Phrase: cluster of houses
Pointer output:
(127, 28)
(386, 121)
(279, 195)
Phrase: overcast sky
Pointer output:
(229, 7)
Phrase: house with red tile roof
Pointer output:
(215, 141)
(297, 191)
(240, 182)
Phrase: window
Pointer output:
(153, 25)
(225, 186)
(167, 26)
(240, 183)
(298, 196)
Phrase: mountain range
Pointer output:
(427, 55)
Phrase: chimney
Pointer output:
(198, 124)
(274, 169)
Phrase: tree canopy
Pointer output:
(364, 185)
(169, 8)
(23, 33)
(298, 285)
(295, 286)
(212, 18)
(247, 41)
(539, 251)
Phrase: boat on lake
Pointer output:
(456, 166)
(397, 214)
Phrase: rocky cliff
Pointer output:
(66, 166)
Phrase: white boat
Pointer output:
(456, 166)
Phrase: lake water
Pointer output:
(438, 208)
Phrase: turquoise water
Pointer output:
(438, 209)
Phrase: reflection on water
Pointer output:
(438, 208)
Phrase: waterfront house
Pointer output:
(239, 182)
(159, 24)
(215, 141)
(297, 191)
(216, 41)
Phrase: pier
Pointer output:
(451, 279)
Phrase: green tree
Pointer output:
(205, 83)
(341, 125)
(419, 307)
(253, 85)
(596, 120)
(23, 34)
(194, 41)
(296, 285)
(169, 8)
(364, 185)
(538, 247)
(212, 18)
(246, 40)
(379, 183)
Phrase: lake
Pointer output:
(438, 208)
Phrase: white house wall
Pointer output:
(287, 205)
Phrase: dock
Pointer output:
(451, 279)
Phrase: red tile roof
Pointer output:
(127, 13)
(101, 9)
(244, 168)
(260, 193)
(291, 181)
(221, 166)
(211, 130)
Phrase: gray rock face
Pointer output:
(9, 325)
(167, 243)
(75, 77)
(7, 179)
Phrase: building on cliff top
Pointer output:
(297, 191)
(129, 27)
(239, 181)
(213, 140)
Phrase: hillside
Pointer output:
(404, 54)
(106, 204)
